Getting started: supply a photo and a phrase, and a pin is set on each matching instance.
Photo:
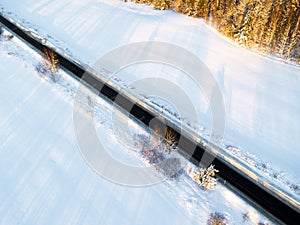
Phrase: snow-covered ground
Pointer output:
(261, 95)
(45, 180)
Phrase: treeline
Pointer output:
(270, 26)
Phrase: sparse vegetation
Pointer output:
(164, 138)
(152, 155)
(246, 217)
(264, 167)
(295, 188)
(49, 59)
(263, 223)
(162, 142)
(270, 26)
(45, 73)
(217, 219)
(157, 148)
(205, 177)
(171, 167)
(156, 137)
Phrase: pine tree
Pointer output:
(262, 20)
(292, 50)
(271, 26)
(200, 8)
(162, 4)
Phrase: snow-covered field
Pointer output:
(44, 179)
(261, 95)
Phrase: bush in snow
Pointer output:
(170, 141)
(205, 177)
(216, 219)
(49, 59)
(9, 37)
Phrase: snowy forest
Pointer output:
(269, 26)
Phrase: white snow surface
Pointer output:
(261, 94)
(44, 179)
